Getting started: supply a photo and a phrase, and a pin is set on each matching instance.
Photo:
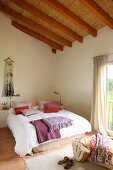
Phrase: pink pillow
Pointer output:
(53, 104)
(28, 112)
(41, 104)
(19, 109)
(21, 104)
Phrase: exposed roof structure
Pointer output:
(59, 22)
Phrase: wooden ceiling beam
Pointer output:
(38, 13)
(36, 35)
(34, 24)
(53, 50)
(70, 16)
(98, 11)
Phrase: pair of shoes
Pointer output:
(65, 160)
(69, 162)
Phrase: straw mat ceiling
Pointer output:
(59, 23)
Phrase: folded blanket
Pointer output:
(42, 131)
(55, 123)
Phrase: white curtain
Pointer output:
(98, 113)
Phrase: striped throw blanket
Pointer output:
(55, 123)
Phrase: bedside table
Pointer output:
(3, 118)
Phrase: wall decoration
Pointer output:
(8, 88)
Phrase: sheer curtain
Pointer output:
(98, 113)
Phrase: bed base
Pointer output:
(59, 143)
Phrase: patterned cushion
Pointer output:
(27, 112)
(19, 109)
(50, 109)
(54, 104)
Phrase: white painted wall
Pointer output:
(34, 62)
(38, 72)
(75, 71)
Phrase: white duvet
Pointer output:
(25, 134)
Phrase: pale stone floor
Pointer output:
(86, 166)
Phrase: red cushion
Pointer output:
(19, 109)
(53, 104)
(50, 109)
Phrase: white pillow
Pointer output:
(21, 104)
(35, 107)
(27, 112)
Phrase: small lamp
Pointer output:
(59, 97)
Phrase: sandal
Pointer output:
(65, 160)
(69, 164)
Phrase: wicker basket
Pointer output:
(81, 151)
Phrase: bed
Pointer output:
(25, 134)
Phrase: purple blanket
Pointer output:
(55, 123)
(43, 133)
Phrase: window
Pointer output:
(102, 73)
(110, 96)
